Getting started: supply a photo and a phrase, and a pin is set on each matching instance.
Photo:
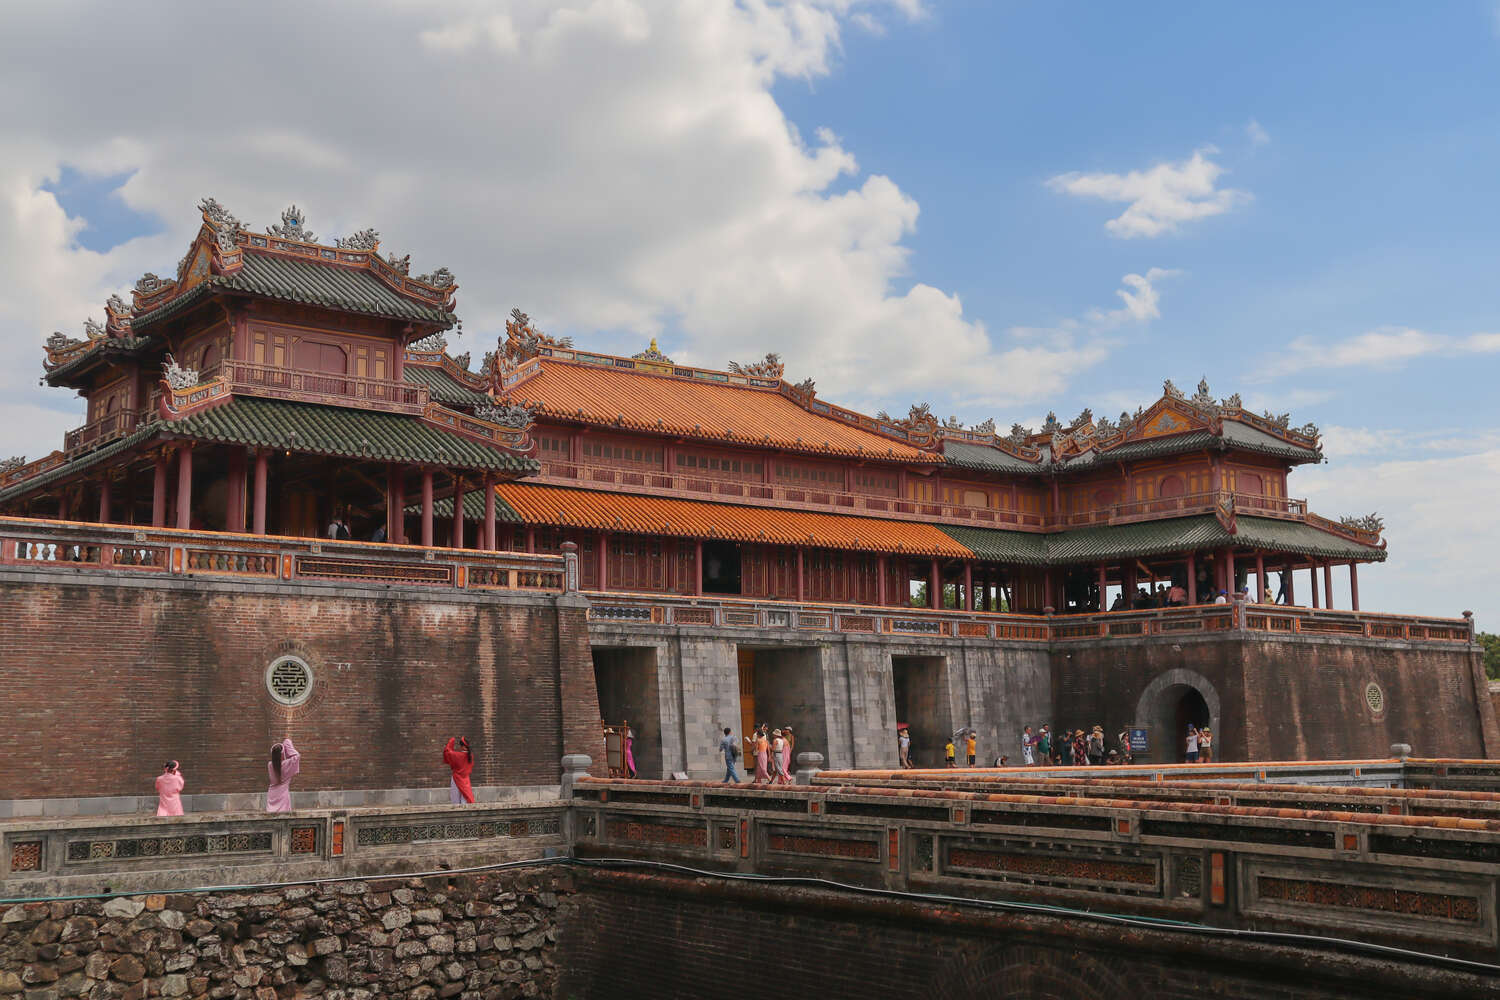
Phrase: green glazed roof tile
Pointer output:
(347, 289)
(987, 459)
(996, 545)
(334, 430)
(443, 388)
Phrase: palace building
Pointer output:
(730, 526)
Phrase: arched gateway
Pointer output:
(1171, 701)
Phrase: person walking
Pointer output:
(1096, 746)
(786, 752)
(283, 766)
(1192, 744)
(762, 748)
(460, 760)
(1028, 753)
(903, 742)
(731, 750)
(970, 746)
(1080, 749)
(778, 748)
(169, 785)
(1044, 744)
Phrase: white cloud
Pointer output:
(607, 165)
(1160, 199)
(1441, 556)
(1256, 133)
(1142, 300)
(1384, 347)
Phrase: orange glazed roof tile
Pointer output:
(643, 515)
(661, 404)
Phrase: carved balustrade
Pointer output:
(1203, 619)
(100, 431)
(89, 548)
(250, 379)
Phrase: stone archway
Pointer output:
(1169, 701)
(1036, 972)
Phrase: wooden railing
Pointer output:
(65, 546)
(1204, 619)
(683, 485)
(250, 379)
(100, 431)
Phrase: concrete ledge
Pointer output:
(253, 802)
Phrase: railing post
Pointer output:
(570, 573)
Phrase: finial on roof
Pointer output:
(293, 226)
(652, 354)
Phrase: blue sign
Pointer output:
(1138, 742)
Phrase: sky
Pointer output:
(1003, 209)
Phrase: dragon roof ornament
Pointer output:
(11, 464)
(523, 339)
(365, 239)
(652, 354)
(178, 377)
(117, 305)
(401, 265)
(226, 227)
(770, 367)
(92, 329)
(431, 342)
(1373, 523)
(441, 278)
(150, 284)
(516, 415)
(293, 226)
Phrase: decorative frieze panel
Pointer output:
(1407, 902)
(127, 848)
(236, 563)
(1134, 874)
(26, 856)
(427, 833)
(780, 840)
(641, 831)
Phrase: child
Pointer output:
(949, 752)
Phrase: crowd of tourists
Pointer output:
(771, 749)
(1063, 748)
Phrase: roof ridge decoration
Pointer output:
(293, 226)
(770, 367)
(364, 239)
(178, 377)
(652, 354)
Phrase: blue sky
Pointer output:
(1000, 208)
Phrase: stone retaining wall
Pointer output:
(489, 936)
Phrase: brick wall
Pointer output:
(1302, 699)
(651, 936)
(107, 680)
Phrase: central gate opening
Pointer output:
(783, 687)
(922, 703)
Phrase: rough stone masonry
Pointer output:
(487, 936)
